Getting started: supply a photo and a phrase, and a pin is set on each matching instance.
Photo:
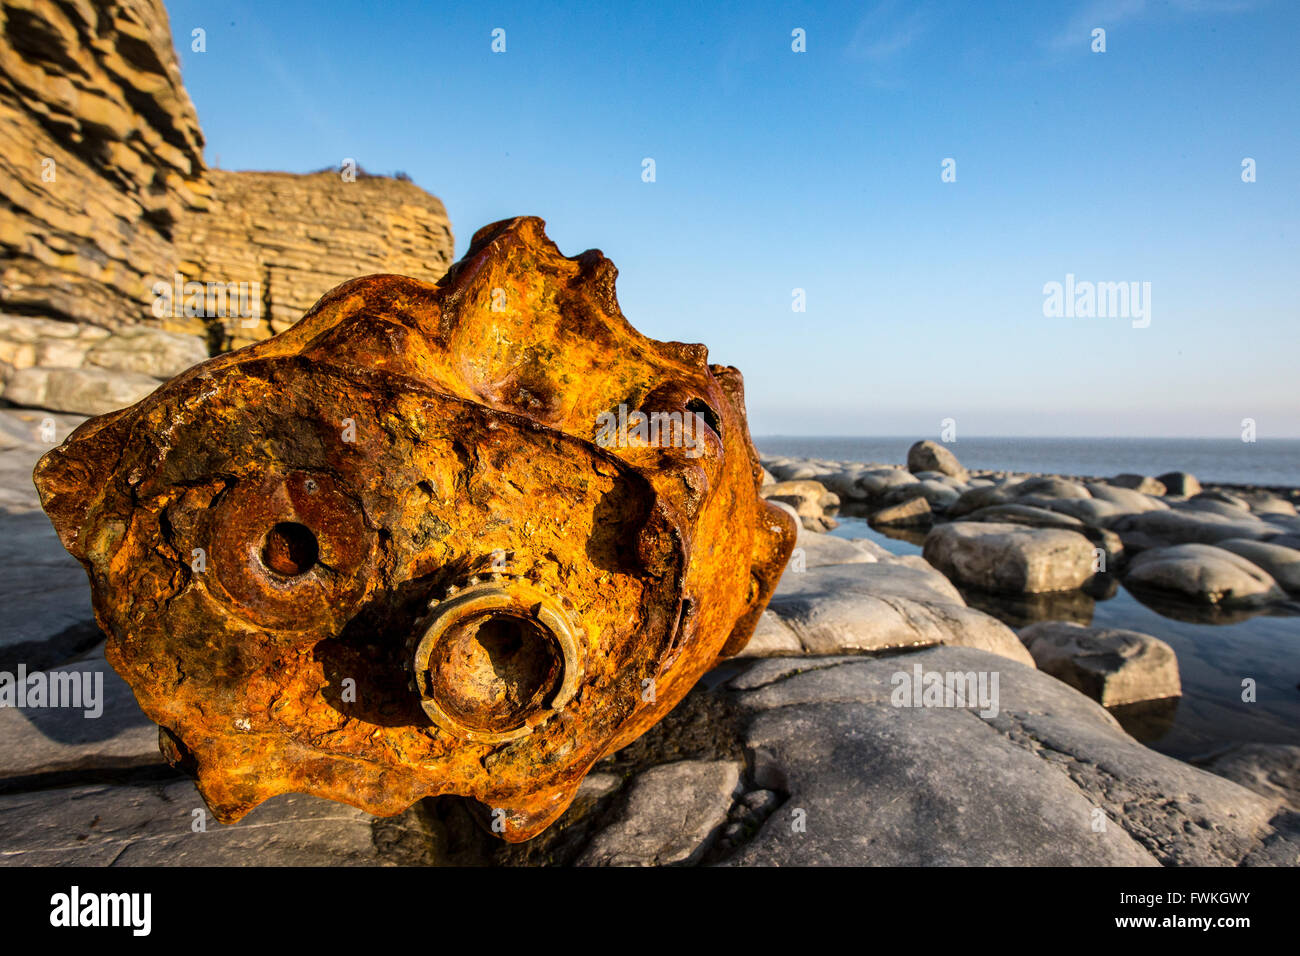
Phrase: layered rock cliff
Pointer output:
(123, 259)
(99, 150)
(290, 238)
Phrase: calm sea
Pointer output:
(1273, 461)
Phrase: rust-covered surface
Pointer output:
(404, 548)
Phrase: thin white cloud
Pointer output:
(885, 34)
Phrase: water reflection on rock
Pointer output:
(1147, 720)
(1020, 610)
(912, 534)
(1102, 587)
(1190, 613)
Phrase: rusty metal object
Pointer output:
(417, 543)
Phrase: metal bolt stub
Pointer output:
(496, 660)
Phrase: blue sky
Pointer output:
(820, 170)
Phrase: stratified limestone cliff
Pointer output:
(100, 149)
(123, 259)
(297, 236)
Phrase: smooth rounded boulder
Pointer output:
(995, 556)
(1112, 666)
(845, 484)
(1050, 487)
(938, 494)
(1038, 517)
(1281, 563)
(1143, 483)
(913, 511)
(1204, 505)
(1267, 503)
(931, 456)
(879, 481)
(1028, 515)
(1202, 573)
(1091, 511)
(1217, 494)
(981, 496)
(877, 606)
(1186, 527)
(1128, 500)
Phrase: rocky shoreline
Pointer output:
(877, 717)
(1009, 533)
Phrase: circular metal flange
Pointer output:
(496, 660)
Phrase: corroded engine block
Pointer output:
(459, 538)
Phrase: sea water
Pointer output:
(1266, 461)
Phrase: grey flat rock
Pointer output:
(153, 825)
(1051, 780)
(874, 607)
(672, 815)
